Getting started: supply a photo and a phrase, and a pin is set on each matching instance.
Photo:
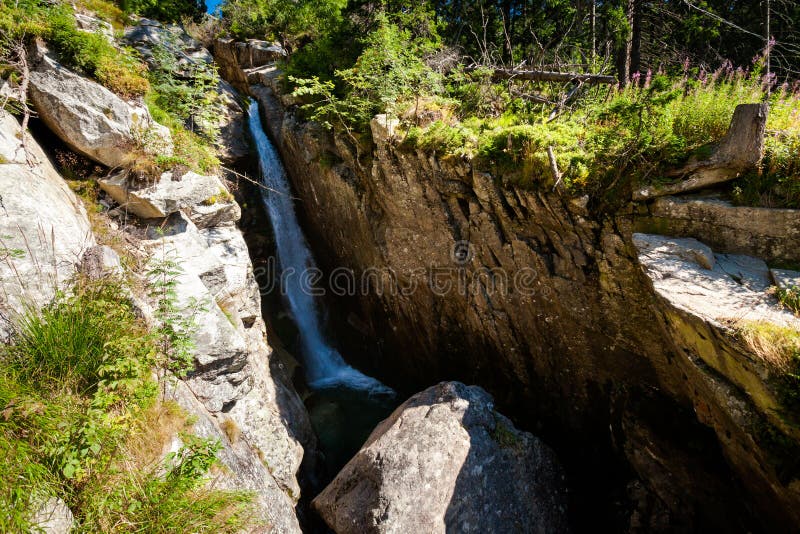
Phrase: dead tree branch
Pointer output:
(547, 76)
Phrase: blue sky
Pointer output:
(212, 5)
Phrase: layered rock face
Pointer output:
(446, 461)
(237, 59)
(771, 234)
(547, 306)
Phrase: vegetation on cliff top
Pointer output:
(432, 64)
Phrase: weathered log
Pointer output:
(548, 76)
(740, 150)
(551, 155)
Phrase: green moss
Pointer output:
(782, 451)
(504, 436)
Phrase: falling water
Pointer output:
(325, 367)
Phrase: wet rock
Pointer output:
(446, 461)
(89, 118)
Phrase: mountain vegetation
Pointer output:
(465, 78)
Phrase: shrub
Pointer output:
(89, 53)
(165, 10)
(789, 298)
(76, 397)
(388, 74)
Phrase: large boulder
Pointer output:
(205, 198)
(44, 228)
(446, 461)
(147, 34)
(89, 118)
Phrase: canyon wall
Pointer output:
(558, 320)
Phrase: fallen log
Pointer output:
(740, 150)
(547, 76)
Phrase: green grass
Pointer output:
(91, 54)
(77, 398)
(779, 347)
(637, 133)
(789, 298)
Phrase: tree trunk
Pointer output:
(636, 38)
(547, 76)
(624, 50)
(740, 150)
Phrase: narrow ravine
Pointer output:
(345, 404)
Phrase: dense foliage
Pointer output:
(417, 63)
(89, 53)
(165, 10)
(80, 421)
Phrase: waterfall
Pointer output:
(325, 367)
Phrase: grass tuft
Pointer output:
(80, 420)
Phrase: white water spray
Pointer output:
(325, 367)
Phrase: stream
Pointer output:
(345, 404)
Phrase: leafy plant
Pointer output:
(188, 91)
(175, 322)
(389, 73)
(76, 396)
(789, 297)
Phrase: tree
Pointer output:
(165, 10)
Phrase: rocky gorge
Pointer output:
(593, 344)
(566, 365)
